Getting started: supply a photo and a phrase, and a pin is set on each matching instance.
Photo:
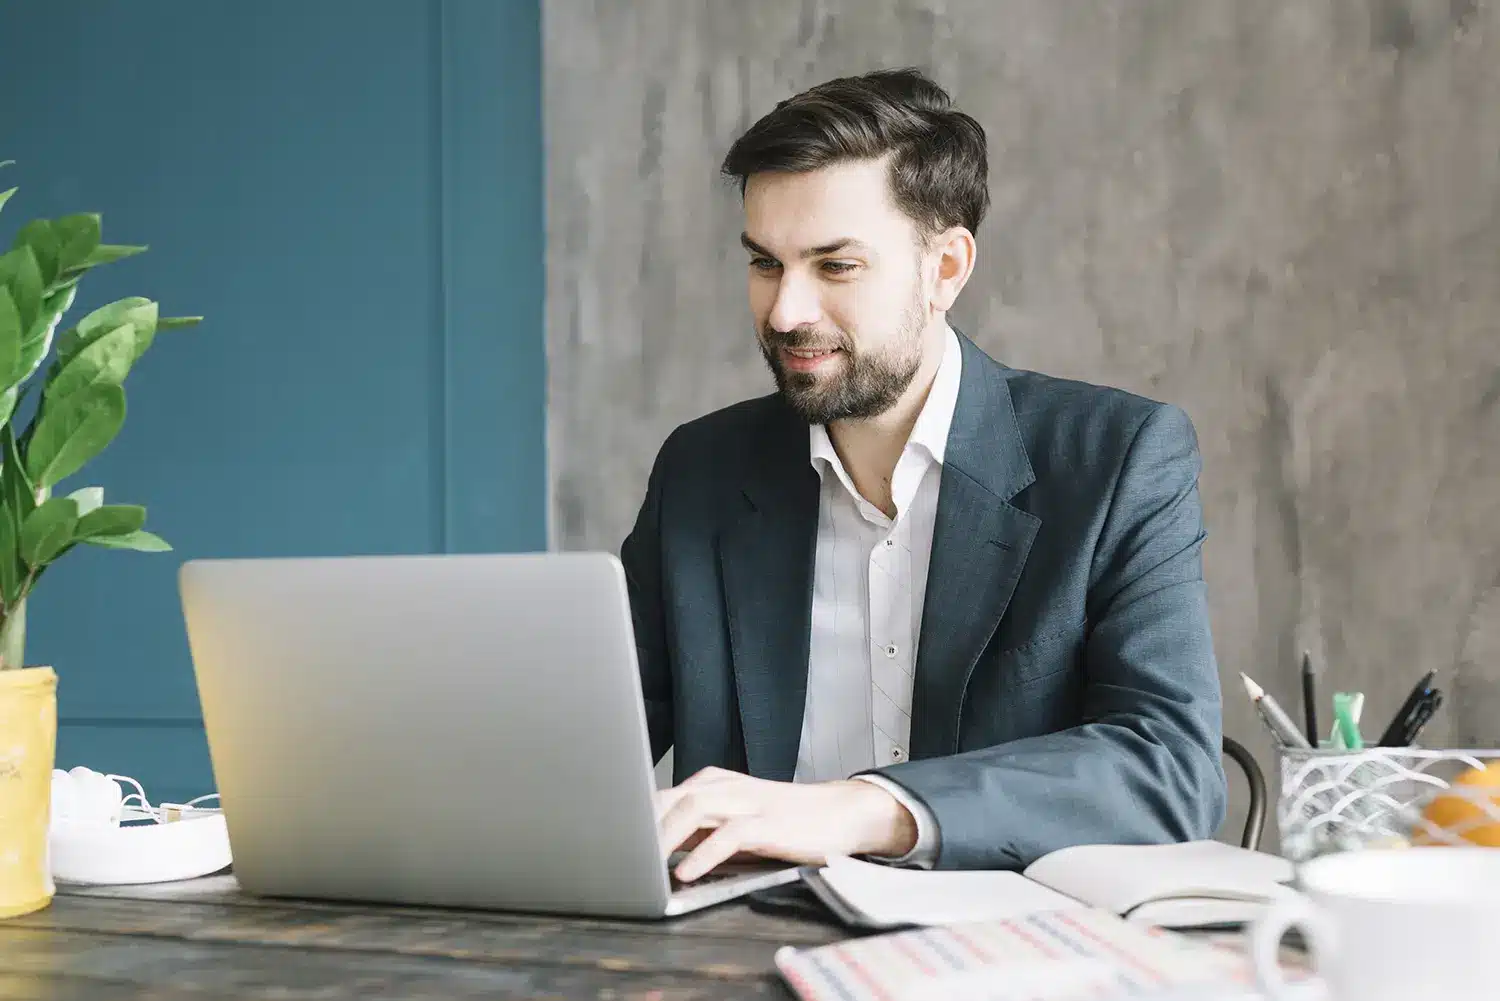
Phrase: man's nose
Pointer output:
(796, 305)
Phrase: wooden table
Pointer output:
(205, 939)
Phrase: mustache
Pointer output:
(805, 339)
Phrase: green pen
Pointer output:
(1343, 715)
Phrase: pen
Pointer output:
(1310, 698)
(1396, 731)
(1425, 712)
(1274, 716)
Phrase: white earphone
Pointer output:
(100, 835)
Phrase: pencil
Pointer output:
(1310, 699)
(1275, 718)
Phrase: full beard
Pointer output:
(865, 384)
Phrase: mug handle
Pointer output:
(1265, 942)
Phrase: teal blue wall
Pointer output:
(351, 194)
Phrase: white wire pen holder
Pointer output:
(1334, 800)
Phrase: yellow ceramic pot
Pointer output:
(28, 744)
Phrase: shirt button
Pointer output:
(897, 754)
(890, 651)
(889, 543)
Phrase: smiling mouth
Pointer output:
(807, 360)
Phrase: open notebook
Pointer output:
(1191, 885)
(1079, 954)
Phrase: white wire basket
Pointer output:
(1381, 797)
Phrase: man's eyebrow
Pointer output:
(847, 243)
(754, 247)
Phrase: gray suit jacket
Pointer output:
(1066, 690)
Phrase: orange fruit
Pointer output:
(1456, 812)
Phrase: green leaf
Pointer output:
(103, 254)
(10, 263)
(111, 519)
(63, 284)
(17, 501)
(105, 361)
(142, 313)
(68, 345)
(8, 403)
(23, 440)
(177, 322)
(39, 340)
(19, 271)
(39, 236)
(131, 309)
(89, 499)
(48, 530)
(5, 196)
(10, 561)
(32, 353)
(141, 542)
(58, 301)
(10, 337)
(17, 494)
(28, 286)
(78, 237)
(68, 435)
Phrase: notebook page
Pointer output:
(908, 896)
(1196, 912)
(1119, 877)
(1077, 955)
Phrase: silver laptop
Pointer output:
(459, 731)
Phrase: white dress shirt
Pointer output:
(869, 581)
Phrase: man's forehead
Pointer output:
(854, 184)
(793, 213)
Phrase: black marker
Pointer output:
(1395, 733)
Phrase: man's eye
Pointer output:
(838, 267)
(763, 264)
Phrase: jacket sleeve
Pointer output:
(1144, 765)
(641, 556)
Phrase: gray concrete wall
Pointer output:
(1282, 215)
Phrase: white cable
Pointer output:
(92, 839)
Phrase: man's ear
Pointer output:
(953, 252)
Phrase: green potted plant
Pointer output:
(78, 410)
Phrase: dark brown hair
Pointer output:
(938, 168)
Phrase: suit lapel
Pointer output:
(979, 547)
(766, 563)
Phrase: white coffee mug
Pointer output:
(1396, 924)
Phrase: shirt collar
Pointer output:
(936, 418)
(933, 423)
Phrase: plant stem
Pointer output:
(13, 637)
